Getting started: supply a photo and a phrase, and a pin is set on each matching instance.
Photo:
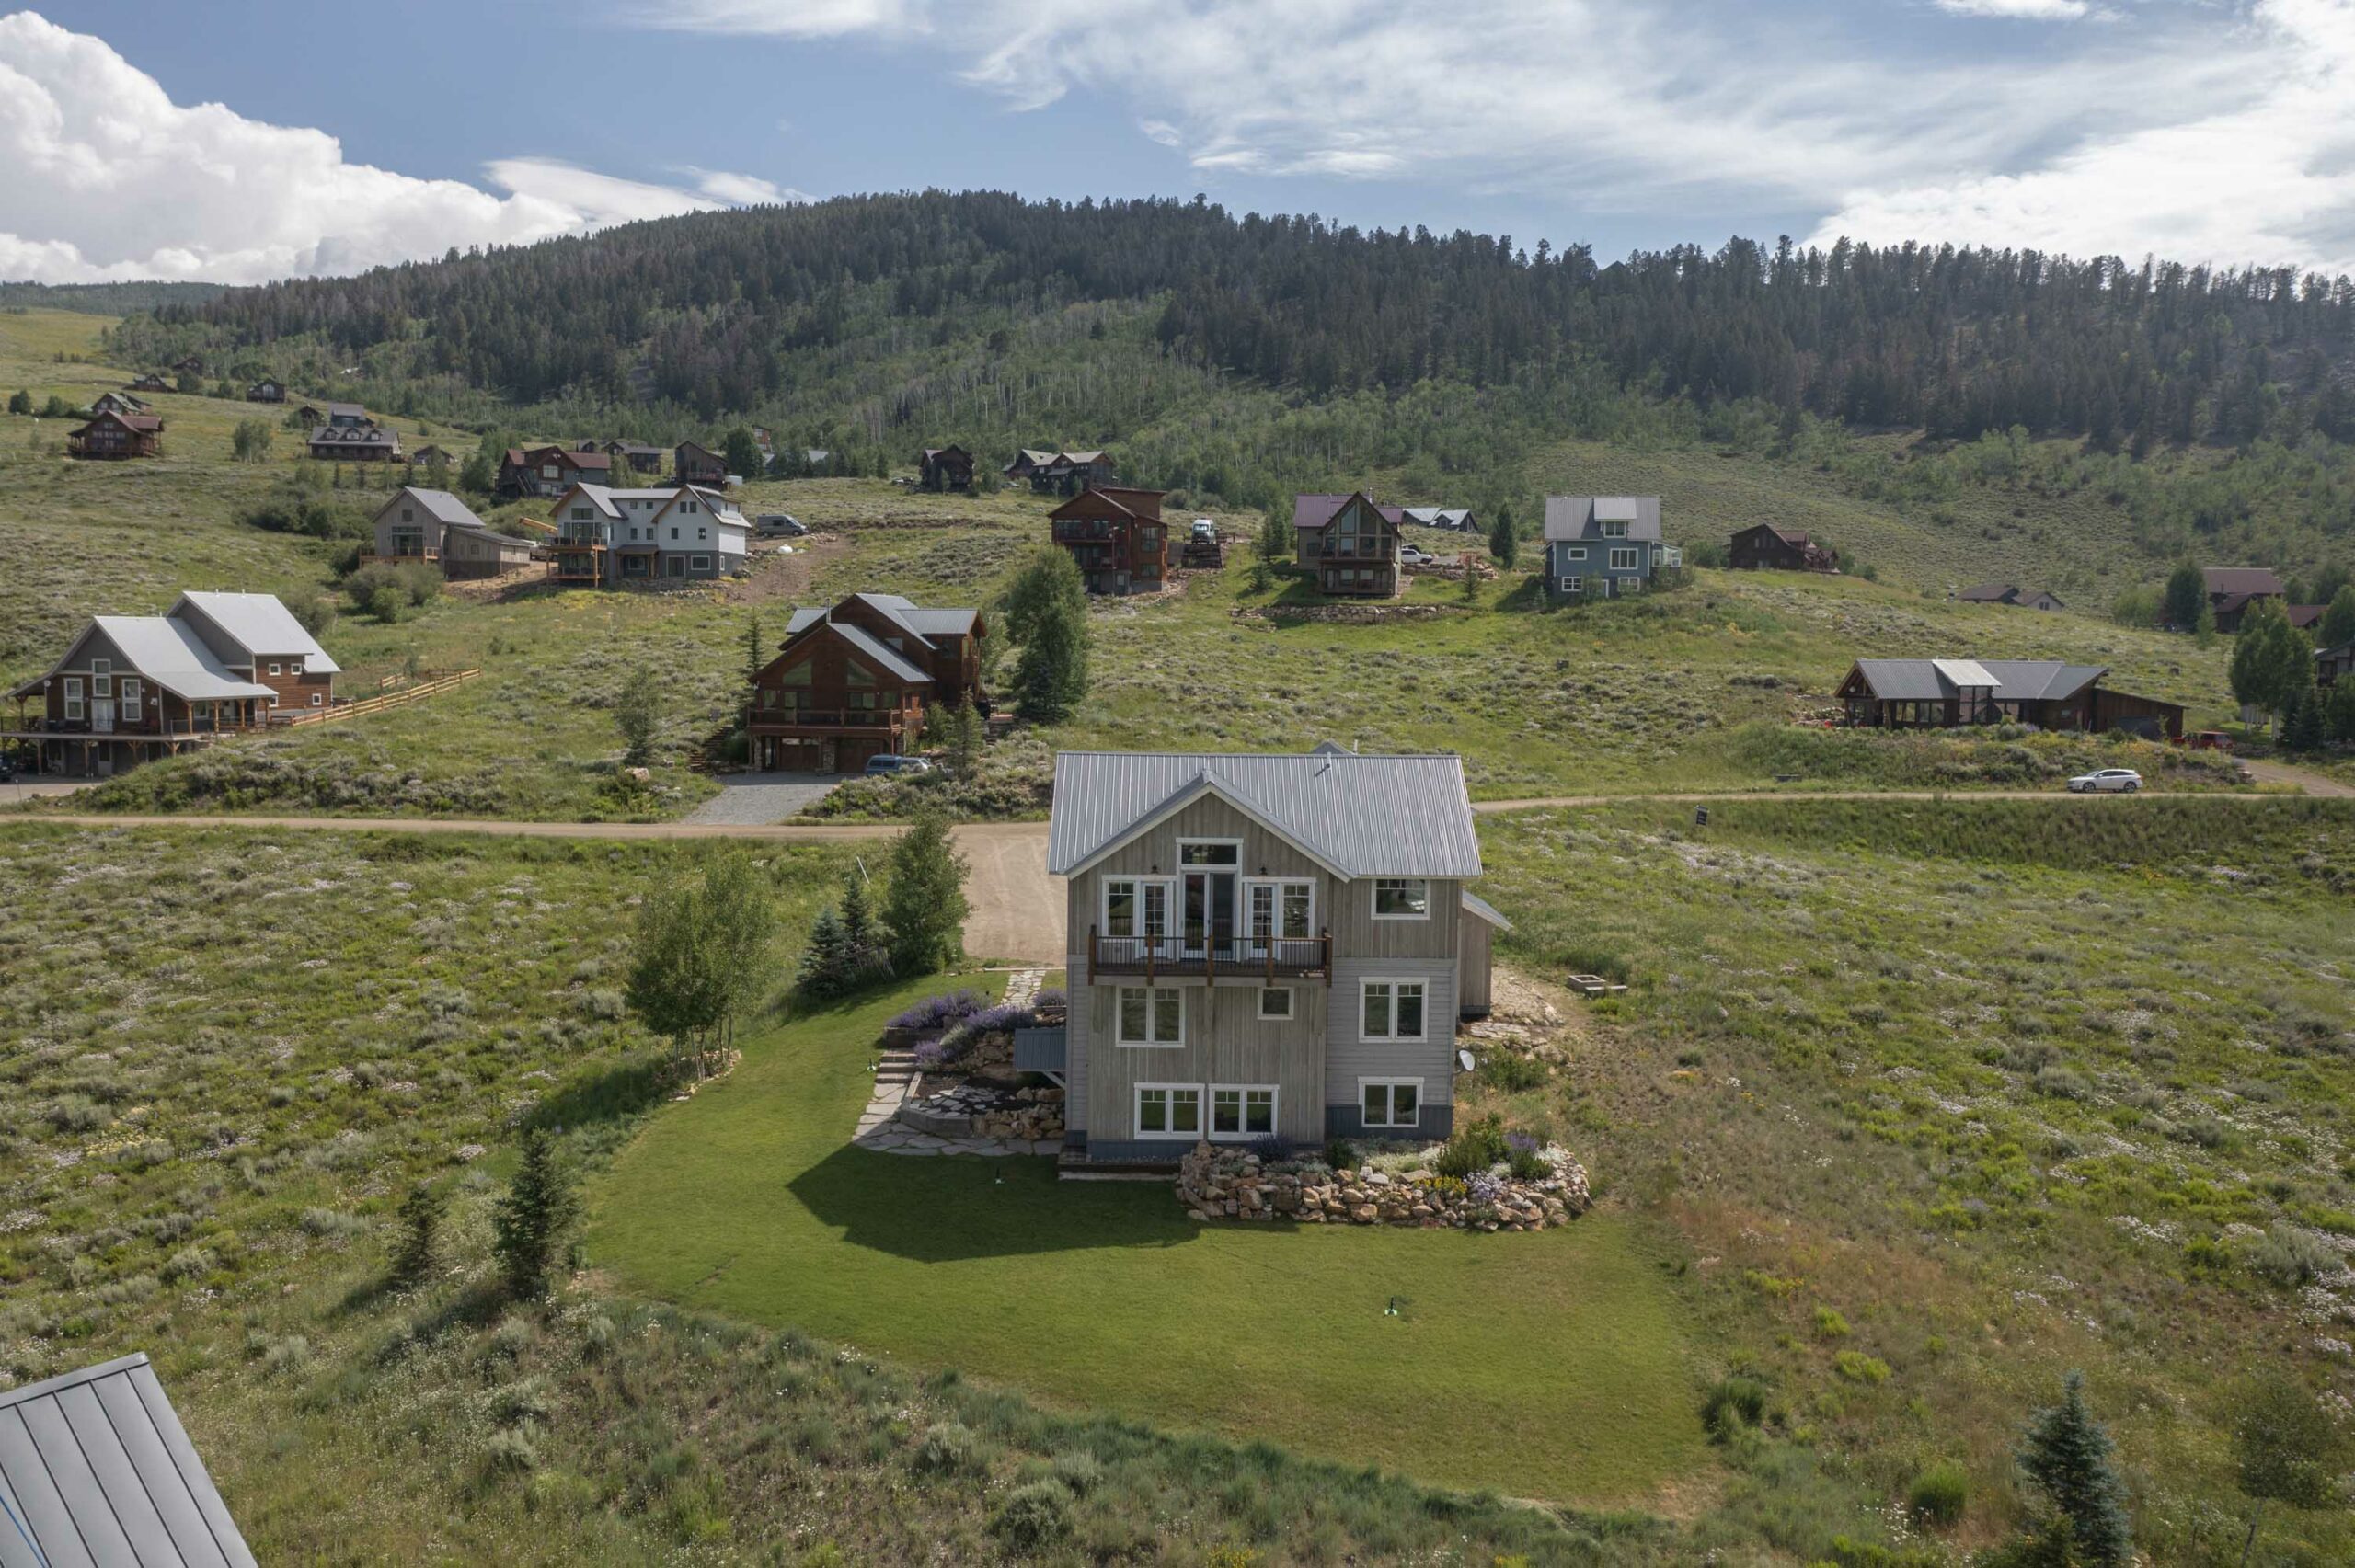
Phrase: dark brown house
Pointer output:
(266, 392)
(1763, 547)
(548, 471)
(1952, 693)
(1061, 473)
(153, 381)
(699, 465)
(854, 679)
(2330, 663)
(112, 435)
(1117, 537)
(2013, 594)
(945, 468)
(355, 443)
(2232, 590)
(117, 403)
(1351, 543)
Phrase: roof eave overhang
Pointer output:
(1201, 787)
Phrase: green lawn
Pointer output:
(1549, 1366)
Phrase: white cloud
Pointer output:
(1641, 104)
(742, 189)
(103, 178)
(2270, 180)
(2023, 10)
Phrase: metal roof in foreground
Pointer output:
(96, 1473)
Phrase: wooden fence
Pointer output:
(431, 683)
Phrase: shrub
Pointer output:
(1734, 1404)
(1939, 1493)
(1079, 1472)
(1475, 1147)
(1526, 1160)
(1341, 1154)
(2290, 1258)
(1511, 1074)
(1004, 1018)
(1034, 1515)
(949, 1449)
(1273, 1149)
(1050, 1003)
(1858, 1367)
(938, 1012)
(1830, 1325)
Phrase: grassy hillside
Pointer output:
(1909, 1108)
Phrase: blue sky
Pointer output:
(2209, 131)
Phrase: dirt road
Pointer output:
(1017, 909)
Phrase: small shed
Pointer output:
(1475, 956)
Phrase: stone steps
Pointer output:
(896, 1067)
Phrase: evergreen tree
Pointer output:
(20, 402)
(755, 658)
(2340, 710)
(1504, 544)
(421, 1216)
(2337, 626)
(924, 901)
(531, 1222)
(2066, 1456)
(2304, 727)
(863, 937)
(1276, 536)
(957, 730)
(2186, 596)
(638, 713)
(826, 963)
(1046, 613)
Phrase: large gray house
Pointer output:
(608, 538)
(1604, 546)
(1261, 944)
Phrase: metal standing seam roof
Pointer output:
(95, 1469)
(1476, 906)
(441, 505)
(1581, 517)
(261, 625)
(1361, 816)
(859, 638)
(2006, 679)
(170, 653)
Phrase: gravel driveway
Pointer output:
(756, 800)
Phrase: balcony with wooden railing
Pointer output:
(1152, 958)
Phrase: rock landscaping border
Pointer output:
(1216, 1184)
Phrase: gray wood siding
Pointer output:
(1077, 1033)
(1472, 999)
(1225, 1043)
(1348, 1058)
(1208, 818)
(1357, 934)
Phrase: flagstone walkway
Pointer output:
(879, 1128)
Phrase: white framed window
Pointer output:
(1170, 1111)
(1241, 1111)
(1284, 905)
(317, 699)
(1573, 585)
(72, 696)
(699, 563)
(1575, 553)
(1625, 559)
(273, 699)
(1615, 530)
(1276, 1004)
(102, 678)
(1391, 1101)
(1209, 851)
(274, 669)
(1138, 906)
(1402, 899)
(1391, 1010)
(130, 699)
(1150, 1016)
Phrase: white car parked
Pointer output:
(2121, 779)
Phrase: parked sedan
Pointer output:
(2120, 779)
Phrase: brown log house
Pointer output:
(852, 680)
(1117, 538)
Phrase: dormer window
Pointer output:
(1615, 528)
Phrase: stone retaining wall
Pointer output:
(1230, 1183)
